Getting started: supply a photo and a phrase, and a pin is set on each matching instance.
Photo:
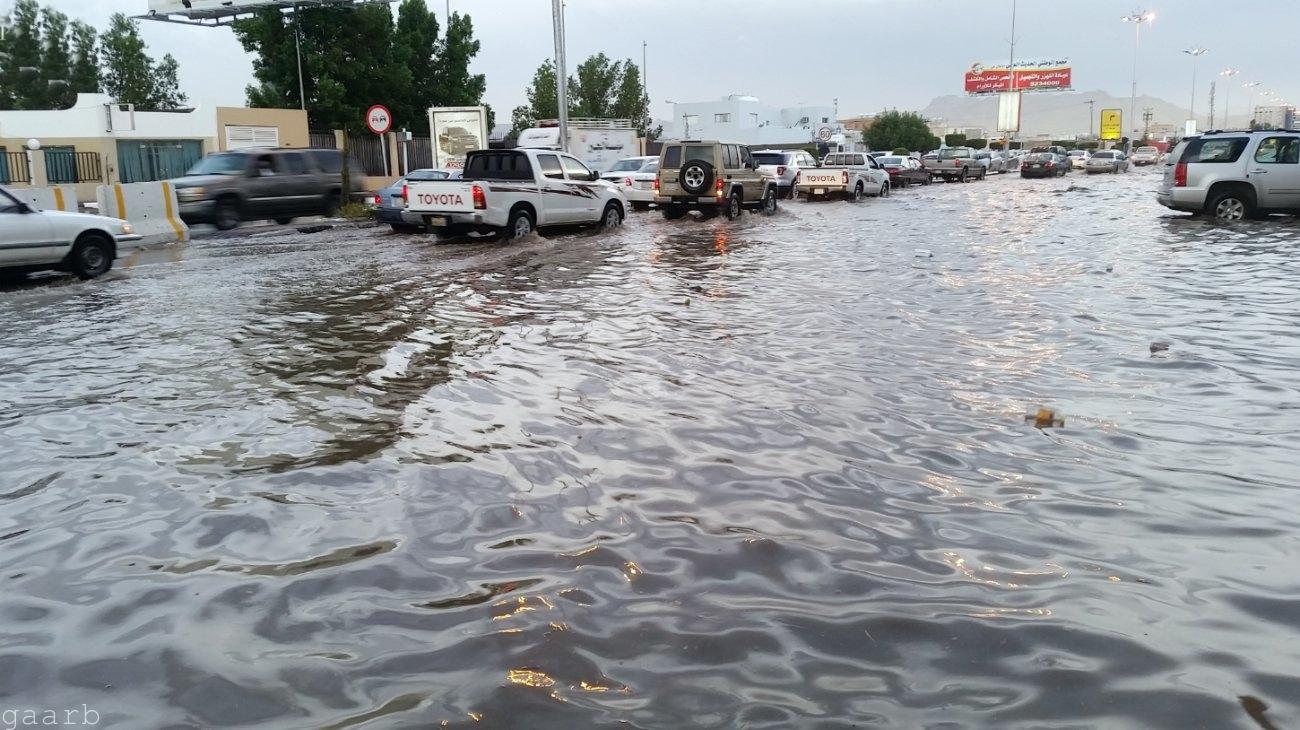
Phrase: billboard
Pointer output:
(1112, 124)
(457, 130)
(1040, 75)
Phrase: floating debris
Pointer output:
(1159, 347)
(314, 229)
(1045, 418)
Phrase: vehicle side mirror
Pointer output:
(594, 176)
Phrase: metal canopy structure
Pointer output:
(212, 13)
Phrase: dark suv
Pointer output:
(228, 187)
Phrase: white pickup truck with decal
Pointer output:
(850, 175)
(512, 193)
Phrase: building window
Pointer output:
(692, 122)
(826, 120)
(722, 119)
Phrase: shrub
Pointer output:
(901, 151)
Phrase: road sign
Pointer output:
(379, 119)
(1112, 124)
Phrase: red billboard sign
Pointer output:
(1030, 76)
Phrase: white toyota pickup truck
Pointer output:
(512, 193)
(847, 174)
(33, 240)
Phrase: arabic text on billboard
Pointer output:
(993, 78)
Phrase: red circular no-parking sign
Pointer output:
(379, 119)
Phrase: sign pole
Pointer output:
(561, 74)
(379, 120)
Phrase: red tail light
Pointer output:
(480, 200)
(780, 170)
(1050, 164)
(718, 186)
(1180, 175)
(406, 192)
(627, 181)
(378, 201)
(656, 183)
(798, 175)
(844, 175)
(892, 169)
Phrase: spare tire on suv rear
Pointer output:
(696, 177)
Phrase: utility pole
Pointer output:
(1147, 114)
(1092, 103)
(1011, 71)
(297, 43)
(1227, 73)
(1195, 53)
(1137, 18)
(561, 73)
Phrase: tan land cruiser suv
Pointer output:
(711, 176)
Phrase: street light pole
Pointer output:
(1249, 116)
(1136, 18)
(561, 73)
(1195, 53)
(1227, 73)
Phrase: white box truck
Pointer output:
(599, 143)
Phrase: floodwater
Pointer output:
(769, 474)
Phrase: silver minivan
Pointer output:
(1234, 175)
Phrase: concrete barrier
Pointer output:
(150, 207)
(57, 197)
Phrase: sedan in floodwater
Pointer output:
(390, 202)
(904, 171)
(1044, 164)
(1112, 161)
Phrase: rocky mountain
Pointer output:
(1064, 114)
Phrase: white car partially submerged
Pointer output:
(635, 176)
(35, 240)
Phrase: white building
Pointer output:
(744, 119)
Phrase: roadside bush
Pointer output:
(356, 212)
(978, 144)
(901, 151)
(954, 140)
(996, 146)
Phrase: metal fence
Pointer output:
(89, 167)
(420, 153)
(13, 167)
(323, 140)
(368, 152)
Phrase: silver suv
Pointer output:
(1234, 175)
(784, 166)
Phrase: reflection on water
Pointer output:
(776, 473)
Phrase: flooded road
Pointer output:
(769, 474)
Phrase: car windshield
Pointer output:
(1077, 153)
(220, 165)
(650, 166)
(632, 164)
(890, 160)
(952, 154)
(769, 158)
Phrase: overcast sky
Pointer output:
(870, 54)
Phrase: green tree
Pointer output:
(455, 85)
(601, 89)
(56, 60)
(996, 146)
(128, 73)
(894, 129)
(954, 140)
(353, 57)
(977, 143)
(21, 83)
(83, 76)
(415, 56)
